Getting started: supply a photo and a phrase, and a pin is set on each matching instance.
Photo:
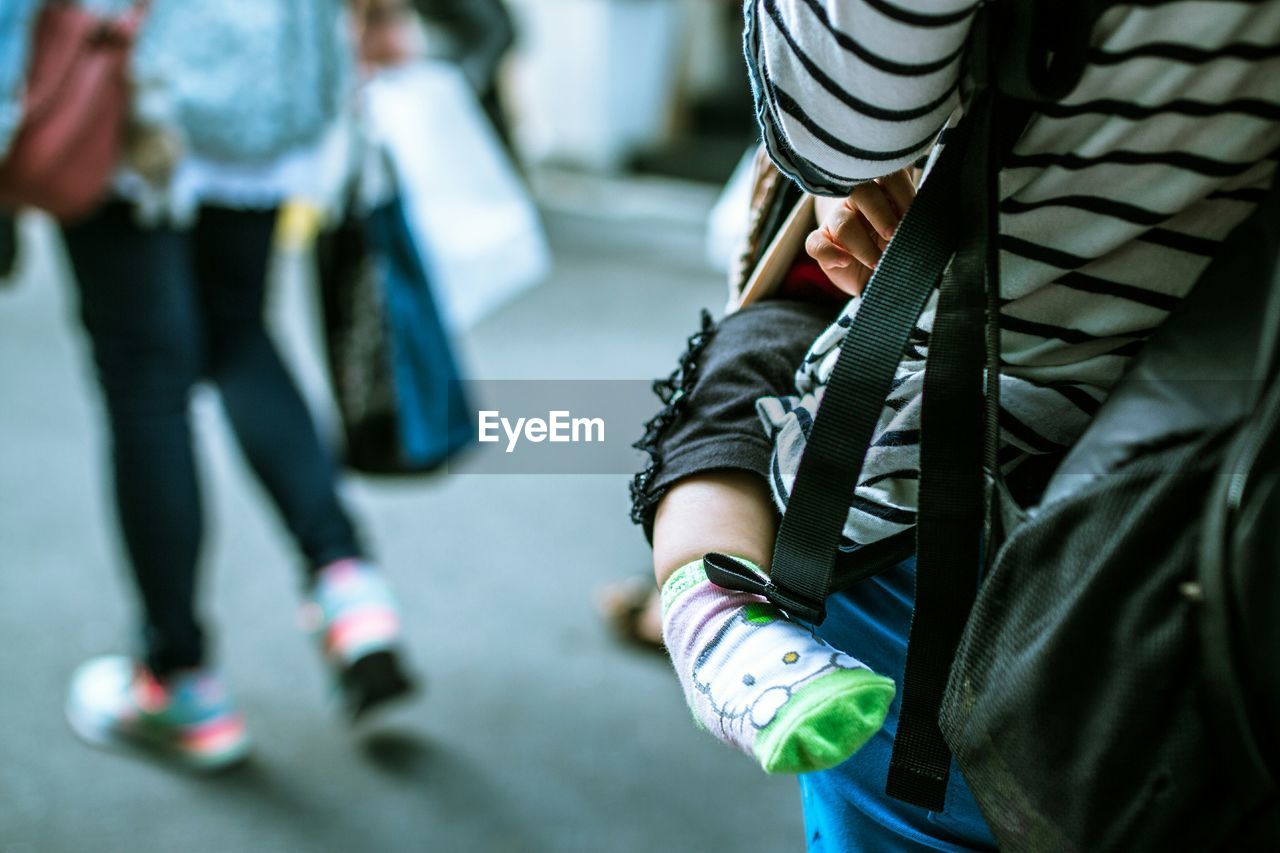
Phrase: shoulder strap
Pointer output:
(1221, 561)
(813, 523)
(951, 503)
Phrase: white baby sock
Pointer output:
(764, 684)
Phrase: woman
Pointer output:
(231, 100)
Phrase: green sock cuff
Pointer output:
(687, 577)
(825, 722)
(681, 581)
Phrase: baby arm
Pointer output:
(753, 678)
(724, 511)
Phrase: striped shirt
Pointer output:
(1111, 204)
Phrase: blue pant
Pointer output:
(846, 808)
(165, 308)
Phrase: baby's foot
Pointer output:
(764, 684)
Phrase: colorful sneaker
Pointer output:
(188, 717)
(353, 615)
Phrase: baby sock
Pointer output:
(763, 684)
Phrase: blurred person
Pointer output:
(1112, 204)
(230, 101)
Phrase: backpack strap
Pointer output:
(804, 556)
(1042, 50)
(951, 503)
(1222, 561)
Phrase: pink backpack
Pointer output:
(68, 143)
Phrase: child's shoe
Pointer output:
(353, 615)
(188, 716)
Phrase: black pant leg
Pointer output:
(137, 303)
(266, 411)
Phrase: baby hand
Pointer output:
(852, 232)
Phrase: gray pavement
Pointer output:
(535, 732)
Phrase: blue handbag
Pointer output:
(391, 361)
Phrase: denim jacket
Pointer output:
(16, 20)
(242, 80)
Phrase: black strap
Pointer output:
(813, 523)
(1043, 46)
(956, 439)
(950, 507)
(1227, 705)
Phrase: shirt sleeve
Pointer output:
(851, 90)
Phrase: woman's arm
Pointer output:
(850, 90)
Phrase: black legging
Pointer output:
(165, 308)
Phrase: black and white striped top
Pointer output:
(1111, 205)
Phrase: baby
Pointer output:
(752, 677)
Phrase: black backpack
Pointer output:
(1113, 683)
(1117, 686)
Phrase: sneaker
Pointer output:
(353, 616)
(188, 716)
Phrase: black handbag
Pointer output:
(1118, 681)
(395, 377)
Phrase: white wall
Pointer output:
(595, 80)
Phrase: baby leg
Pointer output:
(753, 678)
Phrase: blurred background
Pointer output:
(537, 730)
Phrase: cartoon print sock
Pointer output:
(762, 683)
